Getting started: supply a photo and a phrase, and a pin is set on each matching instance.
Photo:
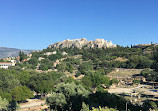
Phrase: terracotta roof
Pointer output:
(5, 63)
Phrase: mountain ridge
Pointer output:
(11, 52)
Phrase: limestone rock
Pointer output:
(79, 43)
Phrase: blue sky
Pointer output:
(35, 24)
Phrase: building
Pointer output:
(64, 53)
(5, 65)
(41, 58)
(50, 53)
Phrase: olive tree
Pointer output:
(3, 104)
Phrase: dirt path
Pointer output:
(130, 90)
(124, 90)
(31, 103)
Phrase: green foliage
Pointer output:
(43, 67)
(84, 107)
(156, 60)
(61, 67)
(150, 105)
(56, 56)
(93, 80)
(22, 56)
(13, 83)
(43, 83)
(150, 75)
(136, 81)
(114, 81)
(46, 64)
(3, 104)
(6, 95)
(70, 95)
(104, 109)
(65, 66)
(33, 61)
(153, 105)
(102, 99)
(73, 61)
(56, 100)
(85, 67)
(21, 93)
(8, 81)
(69, 67)
(24, 76)
(100, 88)
(78, 74)
(140, 62)
(71, 89)
(66, 79)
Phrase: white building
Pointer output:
(50, 53)
(5, 65)
(41, 58)
(64, 53)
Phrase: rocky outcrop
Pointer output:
(79, 43)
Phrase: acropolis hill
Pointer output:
(79, 43)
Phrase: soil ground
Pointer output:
(33, 105)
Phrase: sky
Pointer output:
(36, 24)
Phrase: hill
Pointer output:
(83, 75)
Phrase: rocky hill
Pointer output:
(11, 52)
(79, 43)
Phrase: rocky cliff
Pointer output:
(79, 43)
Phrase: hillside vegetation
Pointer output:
(75, 79)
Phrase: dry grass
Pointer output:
(120, 72)
(121, 59)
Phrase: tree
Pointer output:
(56, 56)
(8, 81)
(84, 107)
(43, 67)
(131, 46)
(93, 80)
(56, 101)
(153, 105)
(61, 67)
(156, 60)
(85, 67)
(33, 61)
(41, 83)
(71, 93)
(3, 104)
(69, 67)
(22, 56)
(6, 95)
(150, 75)
(21, 93)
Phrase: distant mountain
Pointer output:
(11, 52)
